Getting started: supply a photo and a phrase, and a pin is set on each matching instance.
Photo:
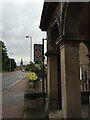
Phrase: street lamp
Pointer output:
(43, 82)
(43, 86)
(10, 63)
(30, 38)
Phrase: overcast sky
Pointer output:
(19, 19)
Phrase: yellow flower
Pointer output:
(32, 76)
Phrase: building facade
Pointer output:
(67, 26)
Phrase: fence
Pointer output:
(85, 85)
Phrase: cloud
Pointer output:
(18, 20)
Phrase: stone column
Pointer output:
(88, 77)
(70, 80)
(88, 55)
(53, 80)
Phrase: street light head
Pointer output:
(27, 36)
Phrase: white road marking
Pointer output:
(16, 82)
(19, 76)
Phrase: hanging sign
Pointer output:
(37, 52)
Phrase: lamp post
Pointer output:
(43, 86)
(43, 82)
(30, 38)
(10, 63)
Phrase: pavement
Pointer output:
(13, 100)
(10, 79)
(14, 104)
(31, 108)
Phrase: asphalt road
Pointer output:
(13, 89)
(8, 80)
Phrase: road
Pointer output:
(8, 80)
(13, 89)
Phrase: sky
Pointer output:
(18, 19)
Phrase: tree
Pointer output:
(13, 64)
(35, 67)
(5, 59)
(0, 56)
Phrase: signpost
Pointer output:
(39, 56)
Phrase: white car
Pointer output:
(23, 70)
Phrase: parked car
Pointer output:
(23, 70)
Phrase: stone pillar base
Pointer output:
(54, 104)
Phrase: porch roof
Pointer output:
(47, 13)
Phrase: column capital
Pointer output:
(71, 40)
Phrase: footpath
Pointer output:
(13, 100)
(32, 104)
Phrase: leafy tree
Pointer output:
(5, 59)
(13, 64)
(36, 67)
(0, 56)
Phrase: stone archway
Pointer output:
(68, 31)
(69, 47)
(77, 22)
(54, 69)
(54, 34)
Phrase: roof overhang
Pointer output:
(47, 13)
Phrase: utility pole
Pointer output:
(43, 82)
(30, 38)
(43, 89)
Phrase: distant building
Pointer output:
(21, 63)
